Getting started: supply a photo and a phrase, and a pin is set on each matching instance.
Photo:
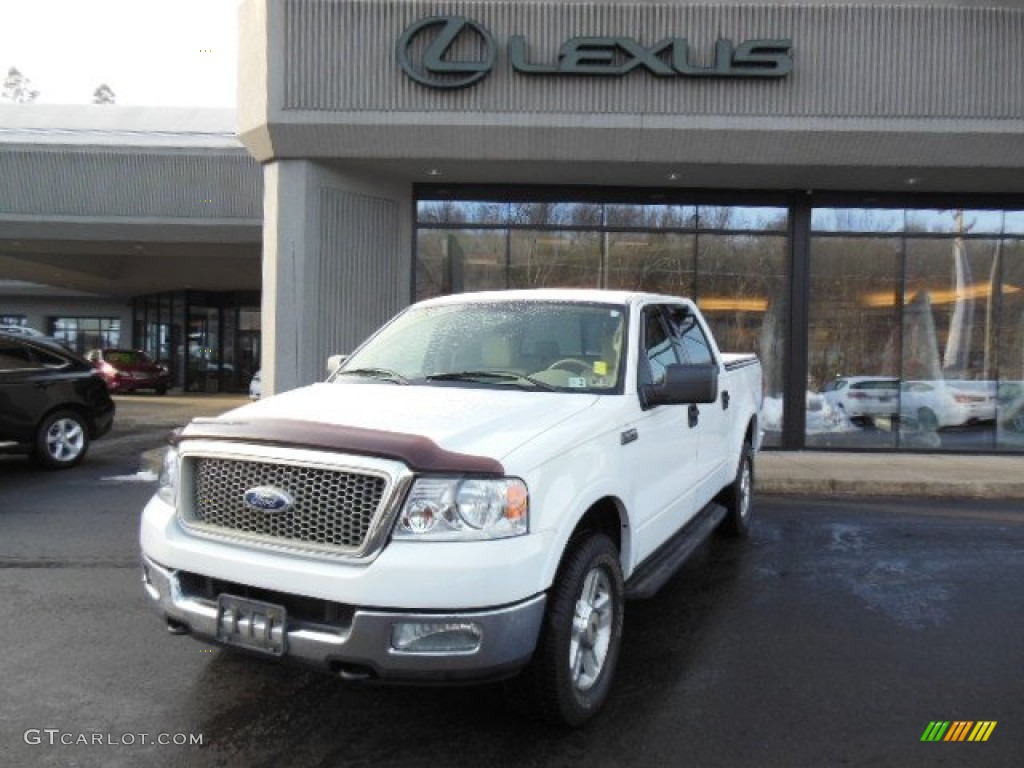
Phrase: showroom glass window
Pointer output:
(731, 259)
(916, 330)
(84, 333)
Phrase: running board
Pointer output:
(652, 573)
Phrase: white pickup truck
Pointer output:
(471, 495)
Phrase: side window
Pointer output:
(659, 350)
(50, 360)
(694, 347)
(15, 357)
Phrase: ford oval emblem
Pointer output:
(265, 498)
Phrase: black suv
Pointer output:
(53, 403)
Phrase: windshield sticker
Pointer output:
(578, 382)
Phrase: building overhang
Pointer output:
(871, 101)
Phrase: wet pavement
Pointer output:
(833, 637)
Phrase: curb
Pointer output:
(869, 488)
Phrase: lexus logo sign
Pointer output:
(433, 38)
(449, 52)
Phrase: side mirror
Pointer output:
(684, 384)
(334, 362)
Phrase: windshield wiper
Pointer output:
(518, 378)
(384, 374)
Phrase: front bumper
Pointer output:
(359, 644)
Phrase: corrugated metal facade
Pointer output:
(136, 183)
(872, 61)
(355, 287)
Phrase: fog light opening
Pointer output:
(176, 627)
(436, 637)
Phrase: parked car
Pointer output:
(53, 403)
(255, 386)
(126, 370)
(864, 397)
(935, 404)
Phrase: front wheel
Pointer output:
(738, 497)
(571, 673)
(61, 440)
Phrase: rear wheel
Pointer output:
(738, 497)
(571, 673)
(61, 440)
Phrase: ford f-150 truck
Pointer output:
(471, 495)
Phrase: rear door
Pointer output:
(23, 396)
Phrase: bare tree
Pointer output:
(103, 94)
(18, 88)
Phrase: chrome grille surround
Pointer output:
(344, 505)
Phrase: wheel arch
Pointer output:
(77, 408)
(606, 514)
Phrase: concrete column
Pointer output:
(337, 262)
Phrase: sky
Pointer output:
(178, 53)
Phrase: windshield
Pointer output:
(546, 345)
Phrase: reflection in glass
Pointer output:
(741, 289)
(854, 342)
(1013, 223)
(1009, 348)
(652, 216)
(461, 212)
(857, 220)
(458, 260)
(554, 259)
(648, 261)
(949, 334)
(556, 214)
(762, 218)
(955, 221)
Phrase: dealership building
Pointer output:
(840, 186)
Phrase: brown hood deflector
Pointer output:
(420, 454)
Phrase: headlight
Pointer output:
(167, 483)
(459, 509)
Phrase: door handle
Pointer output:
(693, 415)
(725, 400)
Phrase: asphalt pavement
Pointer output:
(835, 636)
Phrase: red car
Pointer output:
(126, 370)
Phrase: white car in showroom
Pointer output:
(864, 397)
(934, 404)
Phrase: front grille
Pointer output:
(332, 509)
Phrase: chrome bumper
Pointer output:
(362, 648)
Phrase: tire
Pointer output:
(62, 440)
(568, 679)
(161, 389)
(927, 420)
(738, 497)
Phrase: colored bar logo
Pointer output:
(958, 730)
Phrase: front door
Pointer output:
(666, 470)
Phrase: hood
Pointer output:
(489, 422)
